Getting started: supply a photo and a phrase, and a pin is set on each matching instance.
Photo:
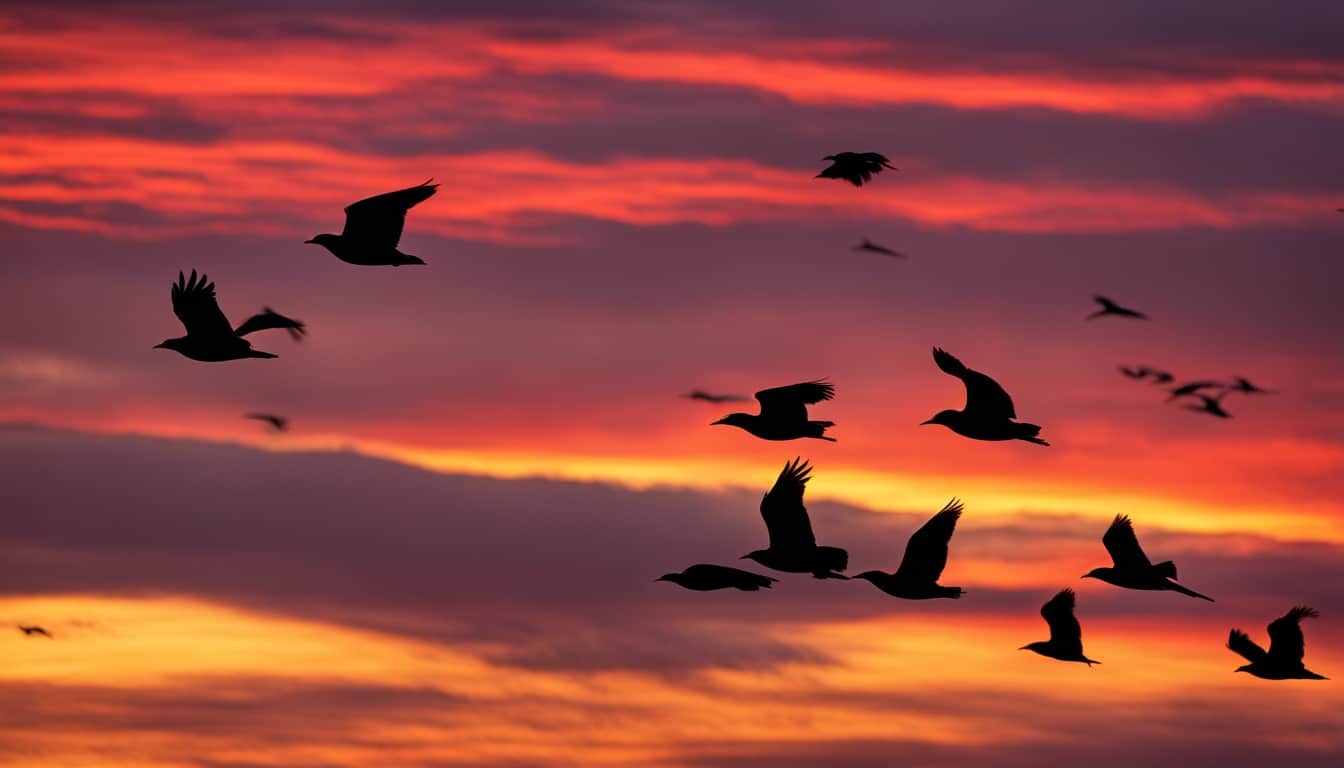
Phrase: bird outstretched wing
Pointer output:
(1065, 631)
(790, 403)
(855, 167)
(783, 511)
(269, 318)
(926, 552)
(379, 220)
(195, 305)
(985, 399)
(1123, 545)
(1244, 646)
(1286, 644)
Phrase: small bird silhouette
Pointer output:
(1245, 387)
(868, 245)
(708, 397)
(1134, 373)
(1210, 405)
(1162, 377)
(705, 577)
(278, 423)
(854, 167)
(373, 228)
(793, 547)
(783, 413)
(1066, 634)
(924, 560)
(209, 337)
(30, 631)
(1109, 307)
(989, 412)
(1143, 372)
(1193, 388)
(1131, 568)
(1283, 661)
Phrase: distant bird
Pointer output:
(1162, 377)
(1134, 373)
(1245, 387)
(783, 413)
(373, 228)
(278, 423)
(705, 578)
(698, 394)
(868, 245)
(30, 631)
(854, 167)
(1210, 405)
(988, 414)
(209, 337)
(1193, 388)
(1283, 661)
(1066, 634)
(925, 558)
(1131, 568)
(1109, 307)
(1143, 372)
(793, 547)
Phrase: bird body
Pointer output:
(1109, 307)
(1131, 568)
(373, 228)
(210, 338)
(988, 414)
(793, 547)
(1283, 660)
(783, 413)
(1066, 634)
(854, 167)
(924, 560)
(705, 577)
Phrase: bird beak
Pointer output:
(158, 346)
(310, 242)
(744, 557)
(720, 421)
(1086, 576)
(1023, 648)
(930, 421)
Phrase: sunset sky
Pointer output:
(449, 559)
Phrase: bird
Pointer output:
(783, 413)
(209, 337)
(868, 245)
(708, 397)
(793, 547)
(1109, 307)
(988, 414)
(1162, 377)
(1131, 568)
(1211, 405)
(373, 228)
(855, 167)
(1283, 660)
(1135, 373)
(30, 631)
(1066, 634)
(704, 577)
(924, 560)
(278, 423)
(1245, 387)
(1193, 388)
(1143, 372)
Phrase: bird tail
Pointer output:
(1187, 591)
(819, 430)
(1166, 569)
(406, 258)
(1029, 432)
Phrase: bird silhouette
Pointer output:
(1134, 373)
(1210, 405)
(705, 577)
(709, 397)
(793, 547)
(1283, 660)
(1066, 634)
(1131, 568)
(988, 414)
(209, 337)
(1109, 307)
(1162, 377)
(278, 423)
(854, 167)
(1142, 372)
(373, 228)
(783, 413)
(924, 560)
(868, 245)
(1193, 388)
(30, 631)
(1245, 387)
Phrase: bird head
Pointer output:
(754, 555)
(326, 240)
(1097, 573)
(1244, 668)
(173, 344)
(672, 577)
(1039, 647)
(734, 419)
(942, 417)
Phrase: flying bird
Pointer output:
(1109, 307)
(988, 414)
(793, 547)
(1131, 568)
(1210, 405)
(1066, 634)
(783, 413)
(855, 167)
(1162, 377)
(1143, 372)
(1283, 660)
(373, 228)
(925, 558)
(209, 337)
(278, 423)
(30, 631)
(1245, 387)
(868, 245)
(1193, 388)
(704, 577)
(709, 397)
(1134, 373)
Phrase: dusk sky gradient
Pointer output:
(449, 560)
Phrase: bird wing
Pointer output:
(1106, 303)
(1123, 545)
(984, 397)
(269, 318)
(195, 305)
(926, 552)
(381, 218)
(1286, 644)
(1065, 631)
(791, 402)
(783, 511)
(876, 159)
(1238, 642)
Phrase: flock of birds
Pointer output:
(372, 233)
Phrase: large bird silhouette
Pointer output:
(1109, 307)
(989, 412)
(1066, 634)
(373, 228)
(783, 413)
(924, 560)
(1283, 660)
(1131, 568)
(706, 577)
(210, 338)
(793, 547)
(854, 167)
